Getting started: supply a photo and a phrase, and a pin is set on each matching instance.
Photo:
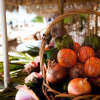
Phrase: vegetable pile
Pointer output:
(72, 67)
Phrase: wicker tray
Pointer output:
(50, 93)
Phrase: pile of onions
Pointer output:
(25, 93)
(79, 86)
(55, 73)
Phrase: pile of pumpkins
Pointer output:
(74, 64)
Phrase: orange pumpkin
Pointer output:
(85, 53)
(66, 57)
(92, 67)
(77, 46)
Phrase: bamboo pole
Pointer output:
(4, 43)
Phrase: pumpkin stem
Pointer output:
(84, 80)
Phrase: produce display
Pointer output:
(73, 68)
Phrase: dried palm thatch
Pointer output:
(52, 9)
(11, 8)
(30, 2)
(43, 10)
(48, 7)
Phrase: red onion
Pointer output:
(34, 76)
(25, 93)
(55, 73)
(33, 66)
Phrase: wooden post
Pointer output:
(88, 26)
(4, 43)
(71, 23)
(96, 20)
(61, 11)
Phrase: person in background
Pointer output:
(11, 24)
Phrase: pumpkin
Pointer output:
(92, 67)
(95, 82)
(85, 53)
(77, 46)
(66, 58)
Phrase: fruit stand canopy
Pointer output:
(48, 7)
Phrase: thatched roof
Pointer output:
(11, 8)
(48, 7)
(31, 2)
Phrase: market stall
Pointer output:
(66, 9)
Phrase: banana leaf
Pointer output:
(20, 58)
(32, 50)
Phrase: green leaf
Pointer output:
(51, 54)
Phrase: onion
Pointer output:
(33, 77)
(79, 86)
(55, 73)
(37, 59)
(33, 66)
(25, 93)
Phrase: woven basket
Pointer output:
(50, 93)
